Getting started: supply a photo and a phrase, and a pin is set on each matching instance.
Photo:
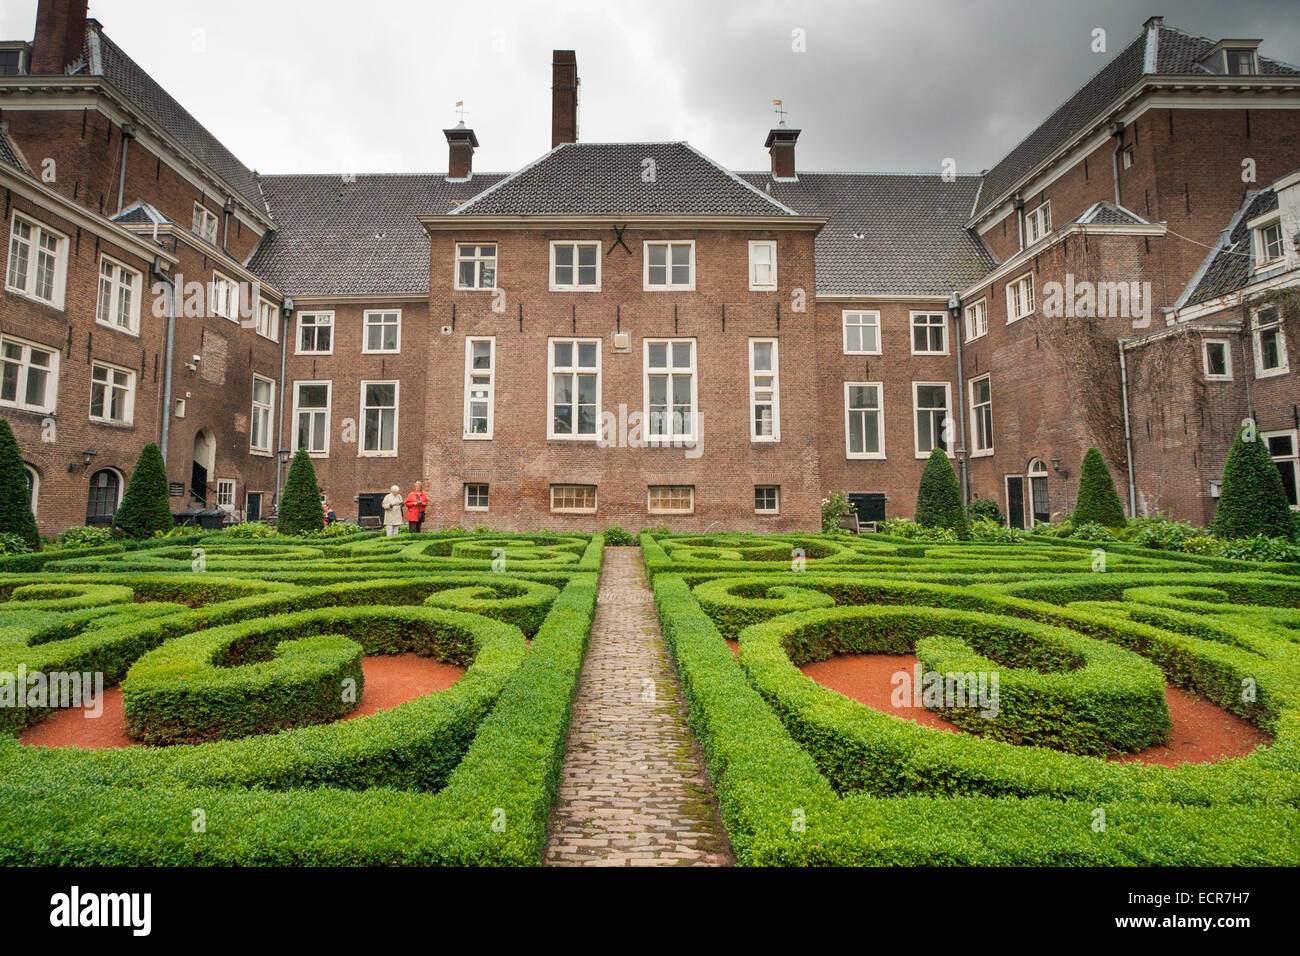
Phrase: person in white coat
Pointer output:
(392, 503)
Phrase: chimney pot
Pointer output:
(60, 36)
(461, 143)
(564, 97)
(780, 144)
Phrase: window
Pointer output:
(767, 499)
(575, 388)
(1127, 157)
(1020, 298)
(225, 297)
(268, 325)
(764, 391)
(259, 426)
(30, 375)
(315, 333)
(573, 499)
(671, 499)
(1282, 448)
(383, 332)
(670, 265)
(1040, 510)
(311, 416)
(12, 63)
(204, 224)
(861, 333)
(379, 418)
(104, 497)
(977, 320)
(1239, 62)
(1268, 246)
(929, 333)
(1038, 223)
(575, 266)
(864, 422)
(476, 266)
(33, 486)
(226, 494)
(762, 266)
(670, 389)
(119, 296)
(930, 402)
(1218, 359)
(112, 394)
(1270, 343)
(480, 382)
(981, 413)
(38, 261)
(476, 497)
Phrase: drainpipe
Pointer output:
(128, 134)
(227, 211)
(1117, 131)
(954, 308)
(286, 310)
(1020, 220)
(170, 351)
(1128, 435)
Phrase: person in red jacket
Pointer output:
(416, 504)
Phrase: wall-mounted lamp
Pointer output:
(283, 454)
(88, 456)
(1056, 464)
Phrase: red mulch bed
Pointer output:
(390, 680)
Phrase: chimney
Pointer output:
(461, 143)
(780, 143)
(564, 97)
(60, 35)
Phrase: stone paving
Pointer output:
(634, 790)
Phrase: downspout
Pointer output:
(169, 354)
(286, 310)
(1128, 435)
(128, 134)
(1117, 131)
(1020, 221)
(226, 212)
(954, 307)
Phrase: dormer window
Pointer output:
(1239, 62)
(205, 224)
(13, 60)
(1233, 57)
(1038, 223)
(1268, 244)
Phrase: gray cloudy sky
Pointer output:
(347, 85)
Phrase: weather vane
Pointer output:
(779, 110)
(460, 109)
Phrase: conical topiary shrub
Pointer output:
(1098, 501)
(145, 507)
(1253, 500)
(938, 500)
(300, 510)
(15, 504)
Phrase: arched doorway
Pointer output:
(104, 497)
(205, 462)
(1040, 511)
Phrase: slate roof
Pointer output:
(913, 238)
(1176, 53)
(1230, 266)
(1108, 214)
(599, 179)
(9, 154)
(335, 237)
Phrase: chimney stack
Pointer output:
(564, 97)
(780, 143)
(60, 35)
(461, 143)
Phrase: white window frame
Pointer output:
(266, 409)
(486, 494)
(224, 295)
(776, 499)
(671, 436)
(668, 285)
(1248, 51)
(576, 285)
(1257, 332)
(774, 389)
(206, 222)
(34, 498)
(1128, 156)
(980, 308)
(129, 401)
(572, 372)
(315, 325)
(59, 279)
(133, 285)
(942, 326)
(595, 501)
(1293, 459)
(1038, 222)
(365, 331)
(1262, 261)
(976, 450)
(268, 325)
(754, 284)
(470, 387)
(231, 484)
(652, 508)
(916, 415)
(479, 261)
(1227, 360)
(362, 451)
(1014, 297)
(24, 366)
(879, 411)
(845, 326)
(329, 414)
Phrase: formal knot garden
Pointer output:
(239, 668)
(1046, 738)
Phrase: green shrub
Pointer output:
(339, 529)
(906, 528)
(987, 509)
(616, 537)
(250, 529)
(146, 507)
(1261, 548)
(990, 530)
(11, 543)
(938, 500)
(1161, 532)
(834, 510)
(1091, 531)
(300, 510)
(15, 504)
(1252, 501)
(1098, 502)
(85, 536)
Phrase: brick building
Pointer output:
(631, 333)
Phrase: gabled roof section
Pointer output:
(1108, 214)
(10, 155)
(141, 213)
(887, 234)
(1229, 267)
(611, 179)
(359, 235)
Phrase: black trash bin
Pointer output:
(208, 519)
